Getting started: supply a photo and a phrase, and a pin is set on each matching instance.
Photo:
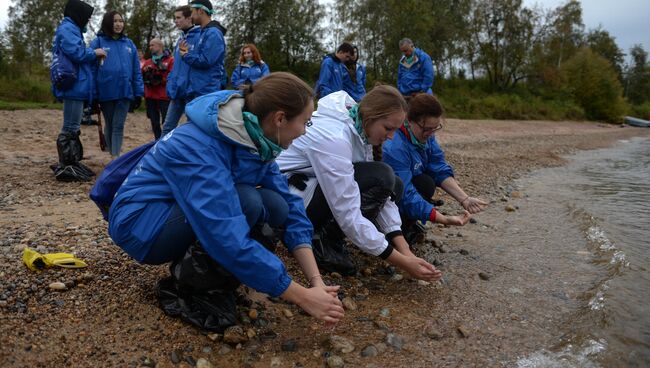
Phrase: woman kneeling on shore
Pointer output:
(418, 160)
(209, 192)
(347, 193)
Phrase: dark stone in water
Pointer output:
(483, 276)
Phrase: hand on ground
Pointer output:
(322, 303)
(474, 205)
(420, 269)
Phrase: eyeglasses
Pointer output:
(430, 129)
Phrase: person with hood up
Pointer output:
(416, 157)
(250, 67)
(69, 39)
(118, 79)
(355, 82)
(206, 57)
(332, 70)
(210, 191)
(154, 73)
(415, 70)
(346, 193)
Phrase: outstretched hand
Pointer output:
(474, 205)
(454, 220)
(420, 269)
(321, 302)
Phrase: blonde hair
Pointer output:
(380, 102)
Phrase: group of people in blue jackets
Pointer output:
(256, 166)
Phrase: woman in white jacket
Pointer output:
(332, 169)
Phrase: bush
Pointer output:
(640, 111)
(32, 88)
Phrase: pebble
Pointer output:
(423, 283)
(206, 349)
(276, 362)
(234, 335)
(463, 331)
(367, 271)
(381, 347)
(59, 286)
(289, 345)
(381, 325)
(369, 351)
(287, 313)
(203, 363)
(175, 357)
(397, 277)
(214, 336)
(433, 333)
(225, 349)
(349, 303)
(334, 361)
(340, 344)
(464, 252)
(484, 276)
(384, 312)
(510, 208)
(250, 333)
(473, 221)
(395, 341)
(516, 194)
(3, 303)
(252, 314)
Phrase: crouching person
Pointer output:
(347, 193)
(210, 198)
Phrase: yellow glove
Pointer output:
(36, 261)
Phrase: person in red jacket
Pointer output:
(154, 74)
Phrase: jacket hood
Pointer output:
(219, 114)
(218, 25)
(333, 57)
(336, 106)
(79, 12)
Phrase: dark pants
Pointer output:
(371, 177)
(156, 112)
(258, 205)
(426, 186)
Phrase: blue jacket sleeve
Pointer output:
(74, 48)
(412, 203)
(399, 78)
(437, 165)
(202, 185)
(299, 229)
(211, 50)
(427, 73)
(138, 84)
(324, 78)
(265, 69)
(235, 80)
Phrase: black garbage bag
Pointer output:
(70, 151)
(199, 291)
(328, 245)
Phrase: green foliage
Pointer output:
(638, 76)
(603, 44)
(593, 83)
(641, 111)
(35, 87)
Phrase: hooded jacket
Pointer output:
(206, 60)
(407, 160)
(179, 77)
(330, 80)
(118, 76)
(326, 154)
(197, 166)
(245, 73)
(69, 38)
(159, 73)
(357, 89)
(415, 77)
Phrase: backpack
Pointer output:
(63, 72)
(114, 174)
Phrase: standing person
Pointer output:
(332, 70)
(206, 57)
(415, 70)
(154, 73)
(212, 186)
(178, 78)
(416, 157)
(346, 193)
(355, 82)
(250, 67)
(118, 78)
(68, 39)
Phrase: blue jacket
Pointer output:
(197, 166)
(178, 78)
(69, 38)
(332, 71)
(417, 77)
(119, 76)
(407, 160)
(244, 73)
(206, 61)
(356, 90)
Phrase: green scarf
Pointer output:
(267, 149)
(358, 123)
(250, 62)
(409, 59)
(414, 140)
(157, 58)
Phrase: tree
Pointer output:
(638, 76)
(603, 44)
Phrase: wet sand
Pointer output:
(520, 303)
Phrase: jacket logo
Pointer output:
(417, 166)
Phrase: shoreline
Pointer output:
(110, 317)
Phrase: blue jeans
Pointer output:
(115, 115)
(72, 112)
(258, 205)
(174, 112)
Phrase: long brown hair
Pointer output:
(279, 91)
(380, 102)
(424, 105)
(256, 54)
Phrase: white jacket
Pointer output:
(326, 154)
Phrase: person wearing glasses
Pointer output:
(346, 192)
(417, 159)
(211, 189)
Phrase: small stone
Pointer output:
(250, 333)
(148, 362)
(3, 303)
(367, 271)
(381, 325)
(214, 336)
(340, 344)
(176, 357)
(234, 335)
(336, 275)
(516, 194)
(432, 333)
(472, 220)
(206, 349)
(252, 314)
(397, 277)
(225, 349)
(268, 335)
(384, 312)
(483, 276)
(381, 347)
(369, 351)
(289, 345)
(334, 361)
(464, 252)
(69, 284)
(395, 341)
(423, 283)
(203, 363)
(463, 331)
(59, 286)
(510, 208)
(349, 303)
(459, 235)
(276, 362)
(287, 313)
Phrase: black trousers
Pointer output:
(156, 109)
(426, 186)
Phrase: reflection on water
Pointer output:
(608, 194)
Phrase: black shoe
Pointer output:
(331, 255)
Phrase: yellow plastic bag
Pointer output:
(36, 261)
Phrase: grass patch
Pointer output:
(25, 105)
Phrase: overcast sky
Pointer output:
(626, 20)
